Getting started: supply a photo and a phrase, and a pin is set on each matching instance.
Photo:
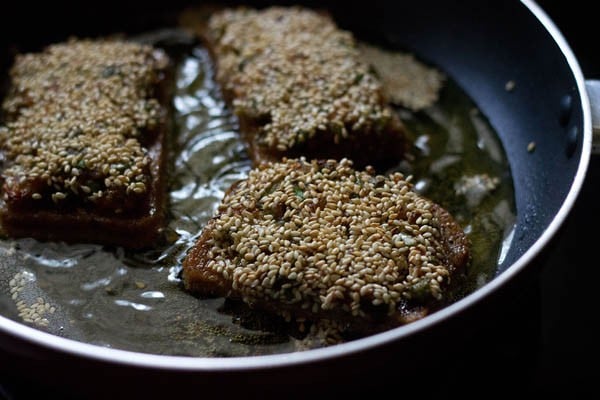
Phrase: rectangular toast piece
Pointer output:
(299, 87)
(83, 144)
(320, 239)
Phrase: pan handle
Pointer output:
(593, 90)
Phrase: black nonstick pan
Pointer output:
(483, 47)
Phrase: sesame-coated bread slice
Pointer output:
(321, 239)
(83, 143)
(299, 87)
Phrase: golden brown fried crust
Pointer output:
(87, 177)
(82, 226)
(267, 69)
(204, 281)
(389, 259)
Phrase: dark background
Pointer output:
(569, 286)
(554, 348)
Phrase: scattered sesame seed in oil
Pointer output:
(34, 311)
(406, 81)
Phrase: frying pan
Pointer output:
(481, 46)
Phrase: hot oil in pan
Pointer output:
(460, 163)
(135, 301)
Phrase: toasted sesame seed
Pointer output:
(75, 117)
(32, 311)
(338, 247)
(302, 84)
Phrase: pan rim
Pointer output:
(233, 364)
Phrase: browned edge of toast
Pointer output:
(81, 225)
(379, 150)
(205, 282)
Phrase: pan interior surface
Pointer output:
(542, 109)
(520, 116)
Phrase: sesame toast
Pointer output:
(82, 145)
(320, 239)
(299, 87)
